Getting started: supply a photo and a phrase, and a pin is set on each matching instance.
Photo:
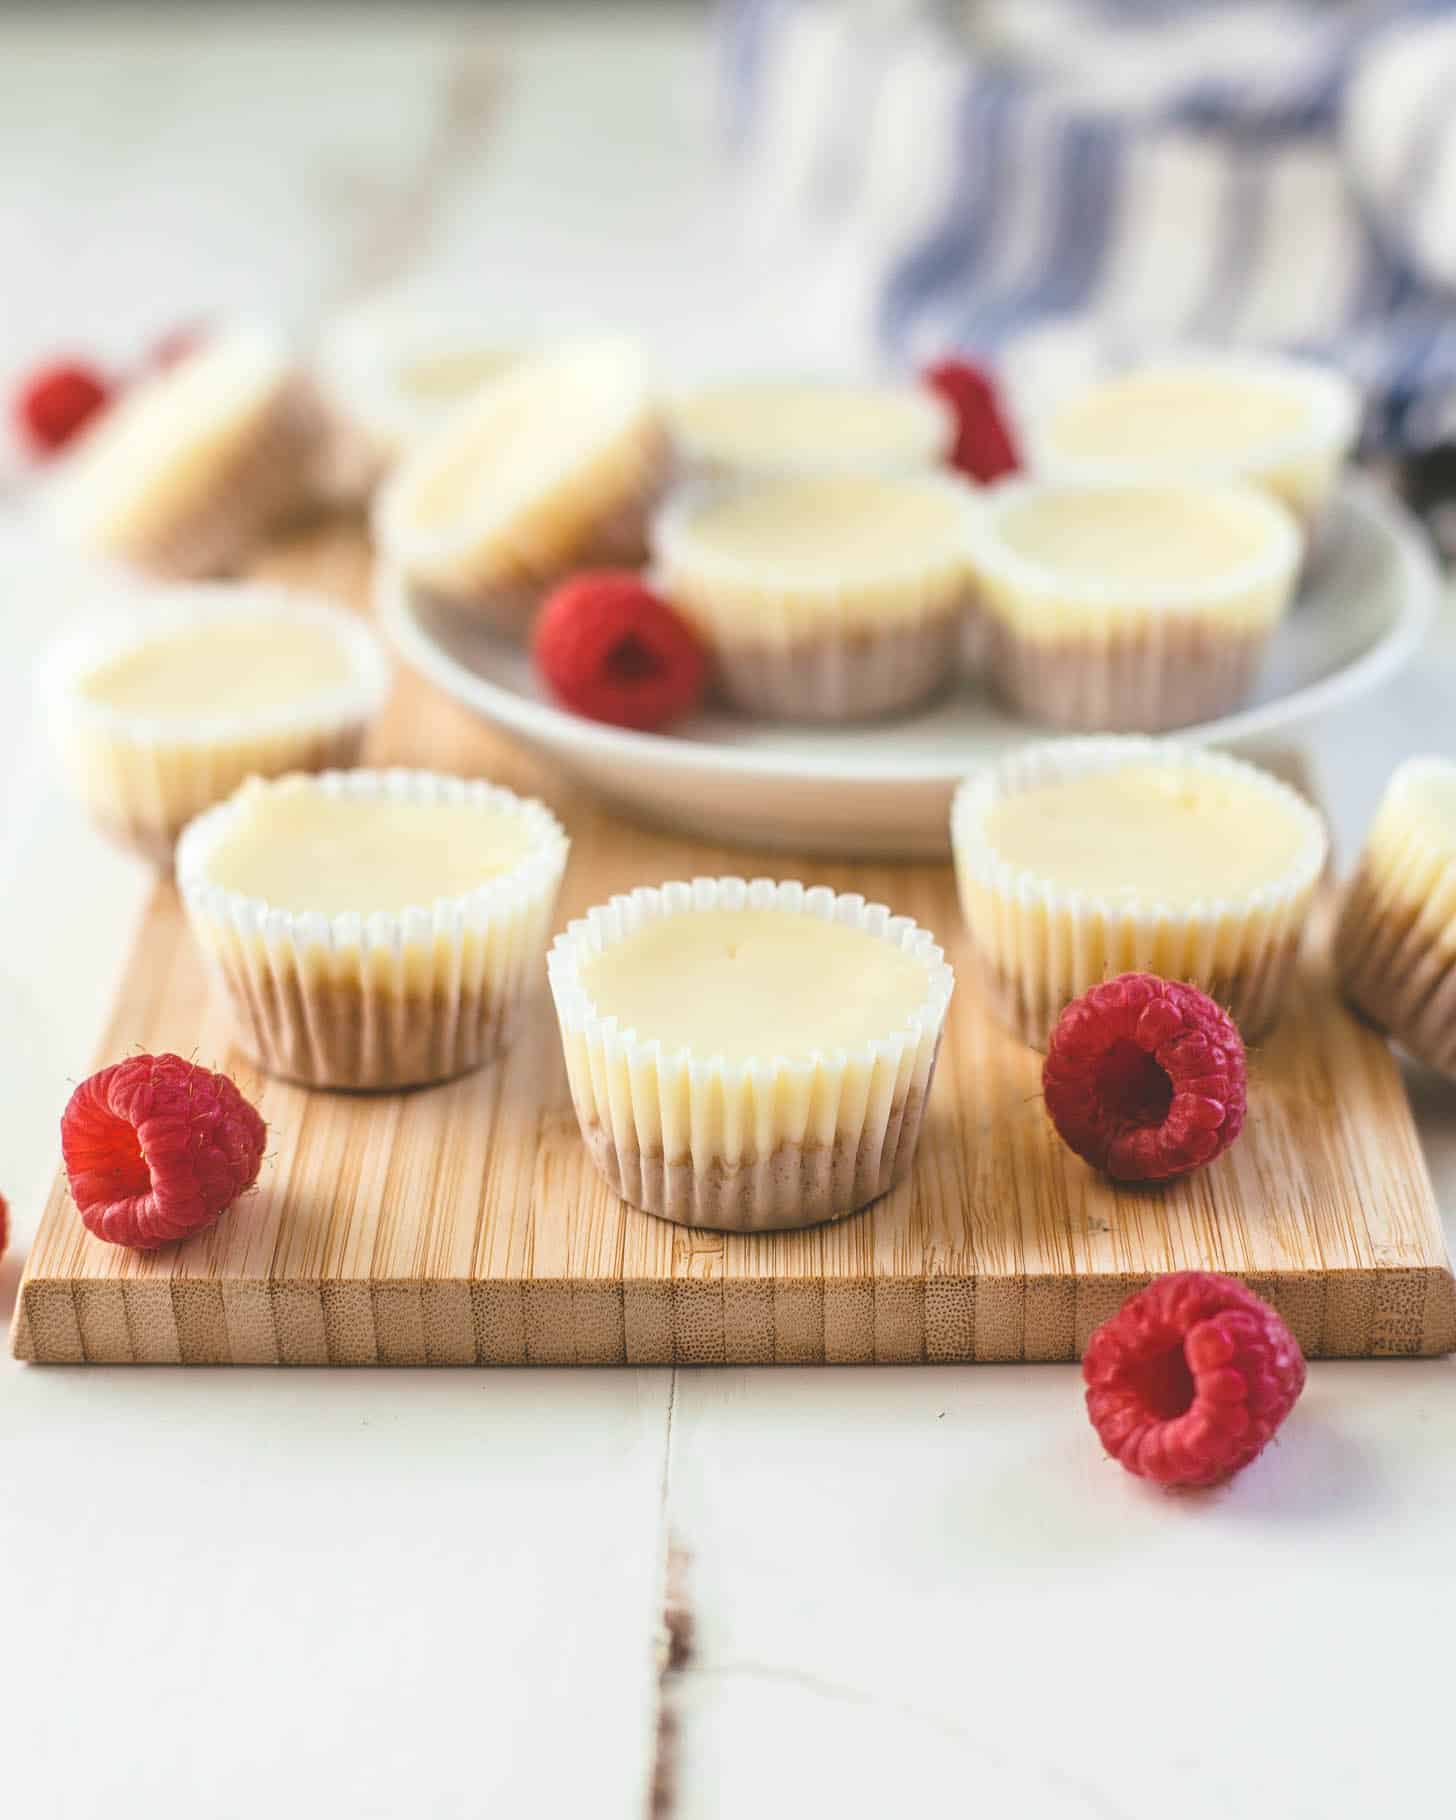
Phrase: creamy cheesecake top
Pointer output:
(225, 667)
(301, 847)
(451, 373)
(1172, 833)
(829, 525)
(778, 424)
(753, 983)
(1137, 536)
(153, 451)
(1175, 413)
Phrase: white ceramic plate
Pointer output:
(884, 790)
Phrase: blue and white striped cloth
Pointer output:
(992, 175)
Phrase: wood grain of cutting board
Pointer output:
(464, 1224)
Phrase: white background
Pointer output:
(392, 1593)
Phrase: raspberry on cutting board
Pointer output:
(612, 650)
(157, 1148)
(1145, 1078)
(1188, 1381)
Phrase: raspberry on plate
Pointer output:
(1145, 1078)
(156, 1148)
(58, 401)
(612, 650)
(984, 447)
(1188, 1381)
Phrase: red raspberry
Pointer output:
(4, 1224)
(56, 402)
(984, 446)
(157, 1148)
(1145, 1078)
(610, 649)
(1188, 1381)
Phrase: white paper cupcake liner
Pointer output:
(1395, 945)
(1039, 945)
(1102, 657)
(842, 647)
(142, 778)
(382, 999)
(756, 1145)
(887, 670)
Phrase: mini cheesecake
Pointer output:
(827, 597)
(395, 376)
(749, 1056)
(161, 711)
(1082, 859)
(1130, 608)
(778, 428)
(372, 929)
(196, 465)
(1395, 948)
(553, 468)
(1285, 426)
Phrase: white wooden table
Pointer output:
(398, 1593)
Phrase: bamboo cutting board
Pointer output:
(464, 1224)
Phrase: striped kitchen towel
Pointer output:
(1010, 176)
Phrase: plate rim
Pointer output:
(544, 724)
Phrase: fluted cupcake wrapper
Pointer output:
(845, 675)
(1150, 677)
(1394, 949)
(755, 1145)
(383, 1000)
(143, 778)
(1038, 946)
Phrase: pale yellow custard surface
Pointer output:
(220, 669)
(740, 984)
(301, 848)
(1284, 427)
(442, 377)
(1062, 559)
(1169, 414)
(779, 425)
(1149, 832)
(776, 561)
(155, 454)
(834, 525)
(1132, 536)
